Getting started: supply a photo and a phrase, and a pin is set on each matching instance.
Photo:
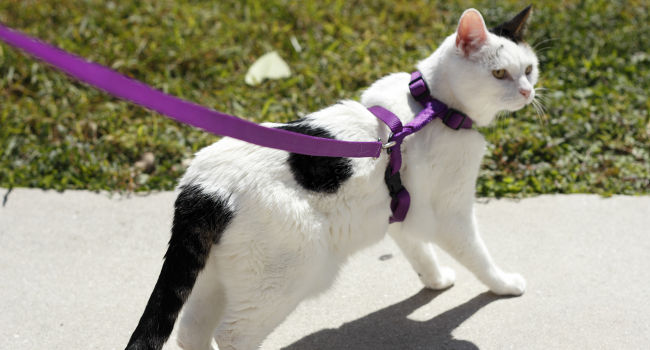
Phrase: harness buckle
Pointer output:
(450, 112)
(418, 87)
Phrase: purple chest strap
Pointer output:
(432, 108)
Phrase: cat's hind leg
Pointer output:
(248, 326)
(202, 311)
(423, 259)
(257, 307)
(266, 284)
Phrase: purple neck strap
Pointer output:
(432, 108)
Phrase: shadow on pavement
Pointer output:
(390, 328)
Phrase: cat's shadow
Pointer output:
(389, 328)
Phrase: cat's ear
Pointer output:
(514, 28)
(471, 33)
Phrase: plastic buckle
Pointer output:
(450, 112)
(420, 89)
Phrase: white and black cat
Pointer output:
(257, 230)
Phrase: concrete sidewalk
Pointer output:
(76, 269)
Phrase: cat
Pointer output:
(257, 230)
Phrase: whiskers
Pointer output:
(538, 104)
(547, 44)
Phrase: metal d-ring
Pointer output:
(388, 144)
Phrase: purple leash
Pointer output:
(223, 124)
(433, 108)
(187, 112)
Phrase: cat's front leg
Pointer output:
(457, 234)
(423, 259)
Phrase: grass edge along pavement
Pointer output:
(59, 134)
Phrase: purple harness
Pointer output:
(223, 124)
(433, 108)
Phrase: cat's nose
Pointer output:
(525, 92)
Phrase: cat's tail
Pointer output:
(199, 221)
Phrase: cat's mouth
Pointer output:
(526, 100)
(531, 97)
(520, 102)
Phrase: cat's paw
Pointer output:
(509, 284)
(445, 280)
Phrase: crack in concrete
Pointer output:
(6, 197)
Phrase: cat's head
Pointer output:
(486, 71)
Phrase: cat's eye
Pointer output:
(499, 73)
(529, 70)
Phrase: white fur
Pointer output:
(286, 244)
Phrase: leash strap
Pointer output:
(432, 108)
(184, 111)
(223, 124)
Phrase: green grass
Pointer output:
(57, 133)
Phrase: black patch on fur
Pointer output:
(315, 173)
(514, 28)
(199, 221)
